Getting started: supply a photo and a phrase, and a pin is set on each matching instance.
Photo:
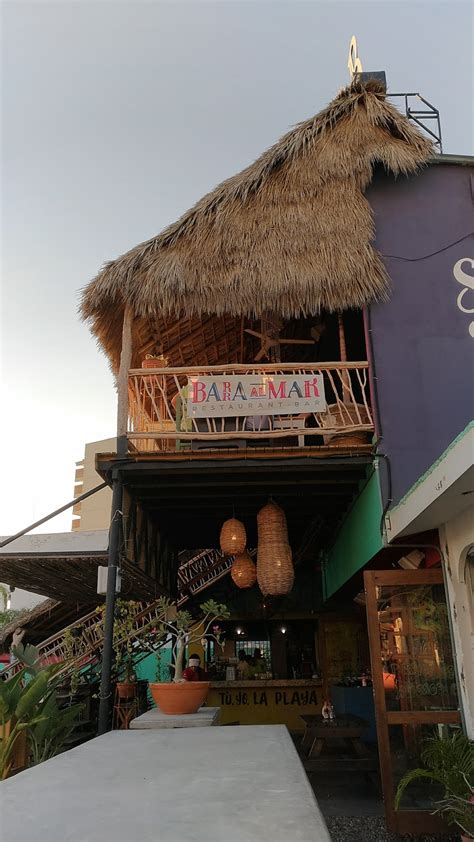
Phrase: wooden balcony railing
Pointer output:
(159, 417)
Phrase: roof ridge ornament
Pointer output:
(354, 63)
(356, 72)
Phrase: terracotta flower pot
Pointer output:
(154, 362)
(183, 697)
(126, 690)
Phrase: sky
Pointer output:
(117, 117)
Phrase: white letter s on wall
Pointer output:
(468, 283)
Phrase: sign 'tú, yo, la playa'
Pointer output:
(255, 394)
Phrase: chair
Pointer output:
(290, 423)
(229, 425)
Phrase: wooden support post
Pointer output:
(122, 382)
(343, 356)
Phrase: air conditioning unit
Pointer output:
(411, 561)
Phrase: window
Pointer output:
(249, 647)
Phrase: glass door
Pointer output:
(414, 684)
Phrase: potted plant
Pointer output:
(124, 667)
(180, 696)
(127, 683)
(155, 361)
(448, 761)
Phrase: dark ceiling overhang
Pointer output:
(189, 499)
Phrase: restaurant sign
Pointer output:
(255, 394)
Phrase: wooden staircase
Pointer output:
(201, 571)
(78, 645)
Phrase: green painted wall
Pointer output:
(358, 539)
(147, 668)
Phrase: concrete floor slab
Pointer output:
(239, 784)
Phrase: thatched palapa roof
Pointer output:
(291, 233)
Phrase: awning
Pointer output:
(63, 566)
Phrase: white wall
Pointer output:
(95, 510)
(20, 599)
(457, 538)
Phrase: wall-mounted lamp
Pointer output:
(283, 629)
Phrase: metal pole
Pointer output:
(115, 536)
(112, 568)
(53, 514)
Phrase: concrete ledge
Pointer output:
(241, 784)
(154, 718)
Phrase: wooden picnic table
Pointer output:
(346, 728)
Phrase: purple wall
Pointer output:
(422, 347)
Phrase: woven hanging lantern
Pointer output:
(233, 538)
(275, 573)
(243, 571)
(271, 522)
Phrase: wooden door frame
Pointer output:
(399, 821)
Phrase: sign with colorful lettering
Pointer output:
(255, 394)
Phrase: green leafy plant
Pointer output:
(19, 709)
(448, 761)
(71, 651)
(28, 702)
(48, 733)
(124, 627)
(126, 668)
(186, 630)
(161, 670)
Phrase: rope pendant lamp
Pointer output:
(233, 538)
(243, 571)
(275, 573)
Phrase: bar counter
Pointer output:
(260, 701)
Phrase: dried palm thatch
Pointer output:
(26, 618)
(291, 233)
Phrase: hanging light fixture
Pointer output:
(233, 538)
(275, 573)
(243, 571)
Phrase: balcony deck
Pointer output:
(162, 424)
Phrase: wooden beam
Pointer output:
(420, 717)
(249, 367)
